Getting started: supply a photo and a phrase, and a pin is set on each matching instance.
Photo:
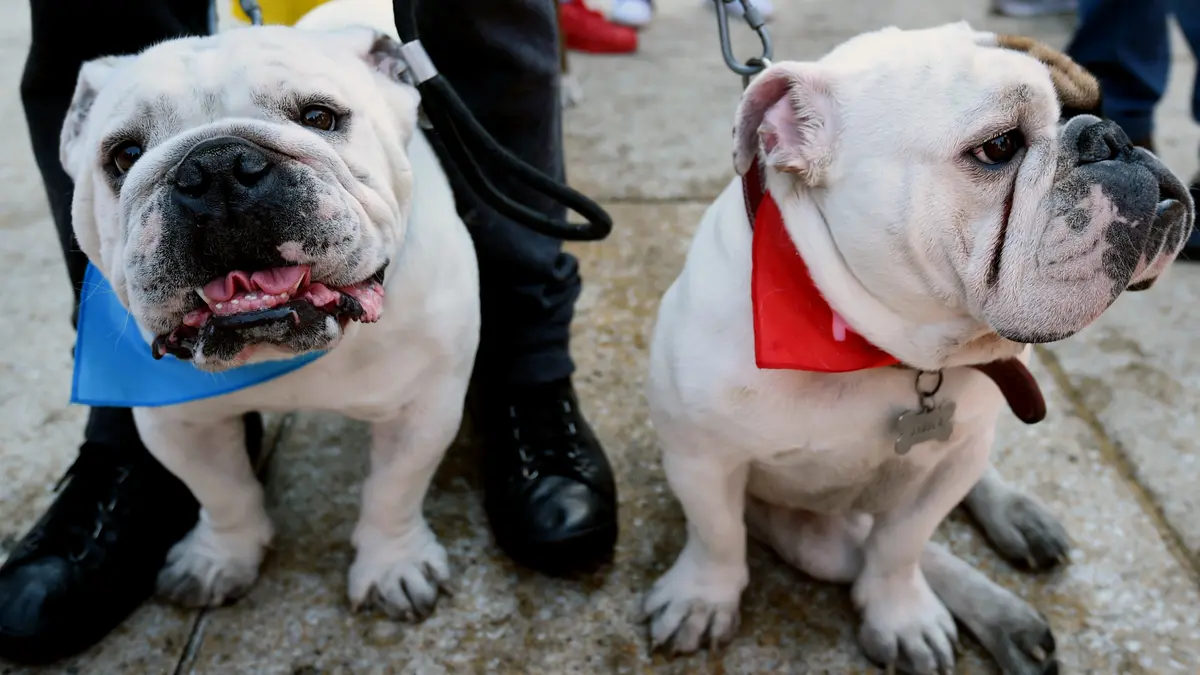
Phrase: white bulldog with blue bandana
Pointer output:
(264, 208)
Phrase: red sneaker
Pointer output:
(587, 30)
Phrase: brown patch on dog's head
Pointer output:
(1078, 90)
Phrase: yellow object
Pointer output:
(286, 12)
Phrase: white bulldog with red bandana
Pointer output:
(826, 373)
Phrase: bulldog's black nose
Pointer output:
(221, 175)
(1102, 140)
(232, 199)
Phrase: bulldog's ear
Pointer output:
(787, 114)
(380, 50)
(93, 75)
(385, 56)
(1078, 91)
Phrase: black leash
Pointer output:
(463, 138)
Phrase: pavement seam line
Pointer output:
(195, 639)
(1115, 455)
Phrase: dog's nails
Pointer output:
(1038, 654)
(645, 614)
(1031, 562)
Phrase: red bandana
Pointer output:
(794, 327)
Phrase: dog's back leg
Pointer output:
(825, 547)
(1012, 631)
(1019, 526)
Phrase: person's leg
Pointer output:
(94, 555)
(1031, 8)
(550, 493)
(1187, 13)
(1125, 45)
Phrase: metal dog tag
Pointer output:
(934, 423)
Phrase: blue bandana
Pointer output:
(114, 366)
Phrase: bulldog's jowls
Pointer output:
(261, 194)
(953, 203)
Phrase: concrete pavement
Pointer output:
(1117, 457)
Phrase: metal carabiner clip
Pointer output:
(253, 11)
(757, 23)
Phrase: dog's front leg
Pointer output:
(400, 566)
(696, 601)
(904, 624)
(1012, 631)
(218, 560)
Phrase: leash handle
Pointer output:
(463, 136)
(460, 132)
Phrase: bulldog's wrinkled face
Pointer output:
(243, 193)
(957, 176)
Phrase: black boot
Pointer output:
(549, 490)
(95, 554)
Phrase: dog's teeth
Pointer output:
(233, 302)
(200, 292)
(251, 296)
(220, 304)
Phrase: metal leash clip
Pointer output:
(757, 23)
(253, 11)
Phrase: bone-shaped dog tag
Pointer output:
(933, 423)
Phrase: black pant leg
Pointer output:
(501, 56)
(65, 33)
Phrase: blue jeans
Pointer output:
(1125, 44)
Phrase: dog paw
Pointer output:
(1026, 533)
(210, 569)
(694, 605)
(1024, 646)
(905, 627)
(402, 576)
(1016, 635)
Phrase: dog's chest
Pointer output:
(841, 454)
(866, 477)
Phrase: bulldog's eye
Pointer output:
(318, 117)
(1000, 149)
(126, 155)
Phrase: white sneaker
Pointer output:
(735, 8)
(632, 13)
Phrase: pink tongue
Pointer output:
(272, 281)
